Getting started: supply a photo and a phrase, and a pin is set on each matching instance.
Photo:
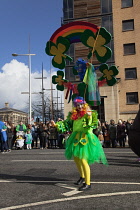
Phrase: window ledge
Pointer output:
(126, 7)
(132, 104)
(128, 30)
(131, 79)
(129, 112)
(129, 54)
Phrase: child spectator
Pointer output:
(28, 139)
(19, 142)
(101, 138)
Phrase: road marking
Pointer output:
(37, 181)
(41, 160)
(5, 181)
(64, 152)
(73, 191)
(53, 153)
(70, 199)
(129, 183)
(30, 181)
(120, 152)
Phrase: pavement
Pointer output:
(43, 179)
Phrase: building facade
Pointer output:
(121, 19)
(126, 27)
(13, 115)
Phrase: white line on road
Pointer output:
(70, 199)
(64, 152)
(38, 181)
(73, 191)
(40, 160)
(5, 181)
(55, 153)
(120, 152)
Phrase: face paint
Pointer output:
(79, 107)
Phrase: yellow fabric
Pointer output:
(83, 168)
(79, 166)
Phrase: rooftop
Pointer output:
(8, 109)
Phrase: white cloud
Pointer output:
(14, 79)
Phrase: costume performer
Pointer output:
(82, 144)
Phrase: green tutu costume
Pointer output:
(82, 143)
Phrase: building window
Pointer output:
(129, 49)
(111, 46)
(127, 25)
(132, 98)
(67, 9)
(107, 23)
(70, 52)
(127, 3)
(69, 73)
(130, 73)
(106, 6)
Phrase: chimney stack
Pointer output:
(6, 105)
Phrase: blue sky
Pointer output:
(18, 19)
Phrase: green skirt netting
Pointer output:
(92, 151)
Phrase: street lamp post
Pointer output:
(43, 105)
(29, 65)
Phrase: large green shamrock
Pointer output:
(57, 50)
(96, 43)
(109, 74)
(59, 80)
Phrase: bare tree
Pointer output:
(45, 110)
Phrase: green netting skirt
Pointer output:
(85, 146)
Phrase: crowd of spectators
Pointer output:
(45, 135)
(113, 134)
(38, 135)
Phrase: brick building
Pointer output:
(121, 19)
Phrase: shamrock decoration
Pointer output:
(108, 74)
(59, 80)
(57, 50)
(96, 43)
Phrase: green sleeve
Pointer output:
(24, 128)
(91, 120)
(17, 128)
(94, 123)
(65, 125)
(60, 127)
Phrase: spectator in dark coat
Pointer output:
(43, 135)
(53, 134)
(105, 134)
(128, 125)
(112, 133)
(121, 133)
(9, 135)
(36, 135)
